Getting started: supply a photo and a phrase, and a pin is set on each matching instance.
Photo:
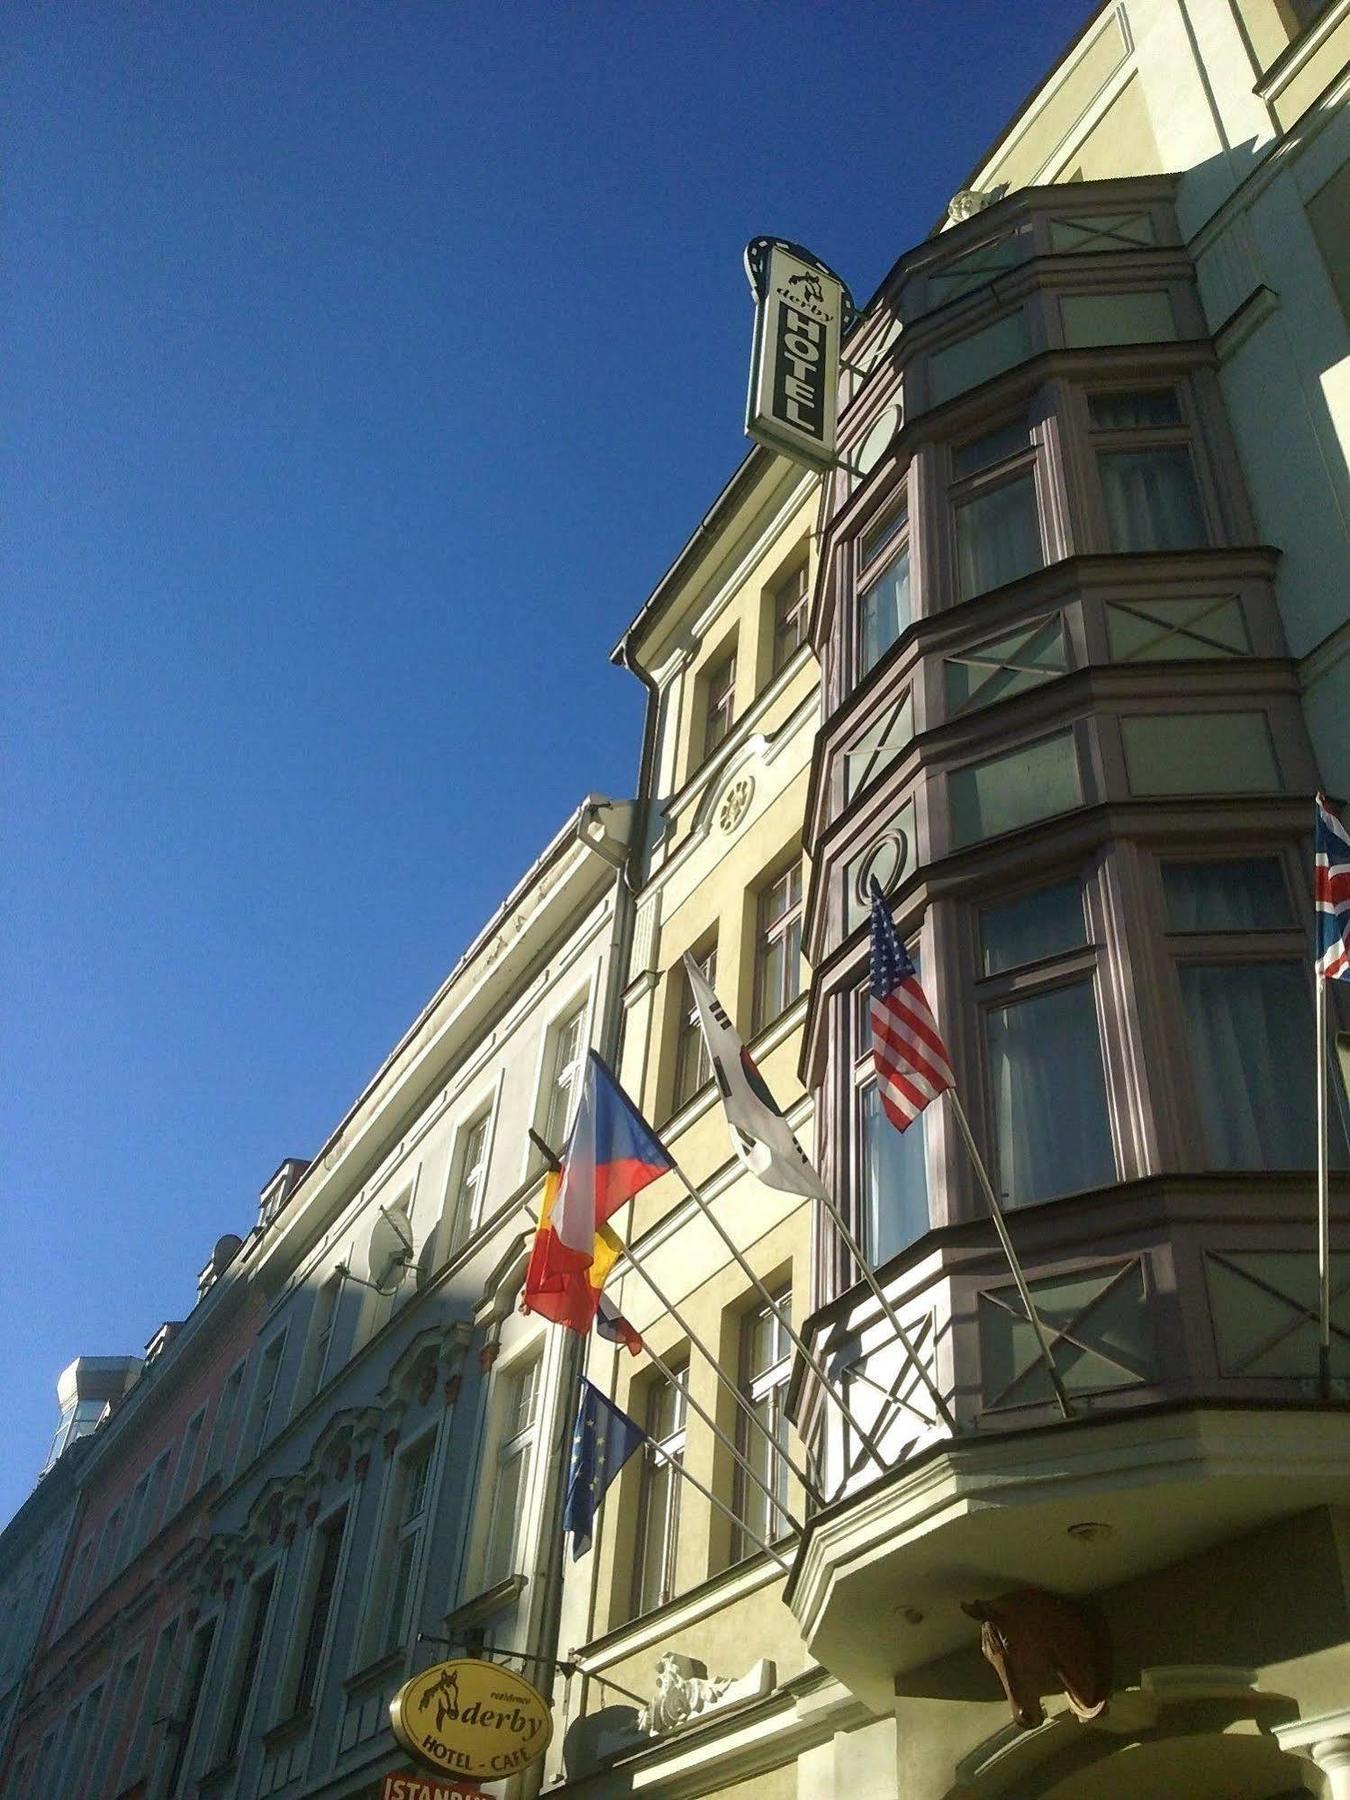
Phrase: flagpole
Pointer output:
(813, 1362)
(693, 1480)
(1323, 1195)
(682, 1387)
(1014, 1263)
(812, 1492)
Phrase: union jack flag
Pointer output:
(911, 1060)
(1331, 894)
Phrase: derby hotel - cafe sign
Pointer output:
(801, 311)
(471, 1718)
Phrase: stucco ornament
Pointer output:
(965, 203)
(686, 1692)
(1039, 1642)
(736, 802)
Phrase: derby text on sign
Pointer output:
(794, 370)
(471, 1718)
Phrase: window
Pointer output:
(79, 1575)
(323, 1319)
(323, 1586)
(79, 1733)
(153, 1703)
(789, 618)
(187, 1462)
(187, 1711)
(719, 702)
(259, 1604)
(993, 494)
(692, 1067)
(132, 1534)
(1009, 791)
(105, 1567)
(1328, 210)
(1243, 978)
(778, 946)
(978, 267)
(1199, 753)
(892, 1171)
(884, 610)
(400, 1559)
(119, 1712)
(515, 1450)
(470, 1178)
(659, 1507)
(1149, 490)
(564, 1073)
(765, 1366)
(1047, 1087)
(225, 1411)
(879, 745)
(264, 1397)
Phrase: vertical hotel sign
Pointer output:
(801, 310)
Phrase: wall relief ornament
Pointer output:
(1040, 1643)
(686, 1692)
(736, 802)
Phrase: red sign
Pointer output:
(411, 1786)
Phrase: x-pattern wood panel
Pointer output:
(1072, 1333)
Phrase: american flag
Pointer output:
(911, 1059)
(1331, 894)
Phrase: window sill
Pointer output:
(287, 1729)
(373, 1671)
(1300, 51)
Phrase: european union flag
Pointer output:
(602, 1443)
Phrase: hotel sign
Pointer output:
(471, 1718)
(801, 309)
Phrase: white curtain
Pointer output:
(1049, 1096)
(1251, 1035)
(885, 611)
(1151, 500)
(998, 537)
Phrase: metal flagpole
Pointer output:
(1014, 1263)
(813, 1362)
(1323, 1195)
(693, 1480)
(854, 1249)
(682, 1387)
(662, 1300)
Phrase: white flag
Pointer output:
(760, 1135)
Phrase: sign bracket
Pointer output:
(553, 1662)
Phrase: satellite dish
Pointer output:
(390, 1251)
(879, 439)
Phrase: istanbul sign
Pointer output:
(801, 309)
(471, 1718)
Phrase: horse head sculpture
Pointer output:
(1039, 1643)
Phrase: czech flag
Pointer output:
(612, 1154)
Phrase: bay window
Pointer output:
(993, 494)
(891, 1180)
(1150, 494)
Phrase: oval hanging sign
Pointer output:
(472, 1718)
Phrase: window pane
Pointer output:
(1117, 319)
(876, 537)
(1010, 791)
(507, 1499)
(1250, 1027)
(660, 1527)
(1199, 753)
(789, 618)
(879, 745)
(884, 611)
(692, 1068)
(994, 447)
(1134, 411)
(1152, 502)
(1037, 925)
(1226, 896)
(998, 537)
(894, 1172)
(1050, 1119)
(977, 358)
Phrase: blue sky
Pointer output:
(365, 367)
